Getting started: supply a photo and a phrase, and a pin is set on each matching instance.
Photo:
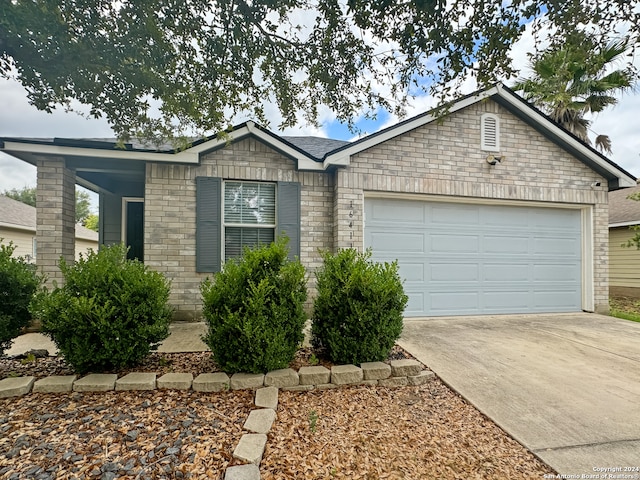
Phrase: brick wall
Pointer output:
(170, 214)
(444, 158)
(55, 217)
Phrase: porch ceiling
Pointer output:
(102, 175)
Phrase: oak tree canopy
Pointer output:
(168, 67)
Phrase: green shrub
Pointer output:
(110, 313)
(18, 283)
(357, 314)
(254, 310)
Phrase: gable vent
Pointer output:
(490, 132)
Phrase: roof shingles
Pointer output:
(621, 208)
(23, 216)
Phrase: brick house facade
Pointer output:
(526, 164)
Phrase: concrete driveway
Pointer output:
(566, 386)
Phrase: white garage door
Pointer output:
(460, 259)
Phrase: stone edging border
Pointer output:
(251, 446)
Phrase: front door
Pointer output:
(133, 232)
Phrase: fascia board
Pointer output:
(623, 179)
(624, 224)
(14, 226)
(304, 162)
(57, 150)
(343, 156)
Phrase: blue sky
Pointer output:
(340, 131)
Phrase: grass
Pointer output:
(625, 307)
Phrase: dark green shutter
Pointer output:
(288, 211)
(208, 224)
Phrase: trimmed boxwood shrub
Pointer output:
(18, 283)
(357, 315)
(110, 313)
(254, 309)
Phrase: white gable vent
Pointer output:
(490, 132)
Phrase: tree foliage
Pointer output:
(83, 202)
(83, 206)
(254, 309)
(18, 283)
(635, 240)
(110, 313)
(92, 222)
(25, 195)
(577, 79)
(357, 315)
(201, 62)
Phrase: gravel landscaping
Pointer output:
(363, 432)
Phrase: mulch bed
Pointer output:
(397, 433)
(348, 433)
(168, 434)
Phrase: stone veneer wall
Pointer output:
(444, 158)
(170, 213)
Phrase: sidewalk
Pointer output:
(184, 337)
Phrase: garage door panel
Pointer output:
(459, 259)
(505, 217)
(507, 301)
(457, 272)
(453, 243)
(557, 272)
(560, 299)
(393, 242)
(465, 302)
(506, 244)
(397, 212)
(411, 272)
(556, 246)
(416, 304)
(556, 218)
(497, 272)
(453, 214)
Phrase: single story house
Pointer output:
(490, 209)
(18, 225)
(624, 261)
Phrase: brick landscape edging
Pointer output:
(393, 374)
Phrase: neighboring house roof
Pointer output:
(622, 210)
(18, 215)
(316, 154)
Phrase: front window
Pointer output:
(249, 215)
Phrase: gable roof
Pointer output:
(615, 175)
(623, 211)
(316, 146)
(316, 154)
(20, 216)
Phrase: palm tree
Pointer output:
(576, 79)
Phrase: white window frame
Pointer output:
(489, 147)
(226, 224)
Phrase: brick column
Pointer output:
(348, 211)
(55, 214)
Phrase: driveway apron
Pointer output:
(566, 386)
